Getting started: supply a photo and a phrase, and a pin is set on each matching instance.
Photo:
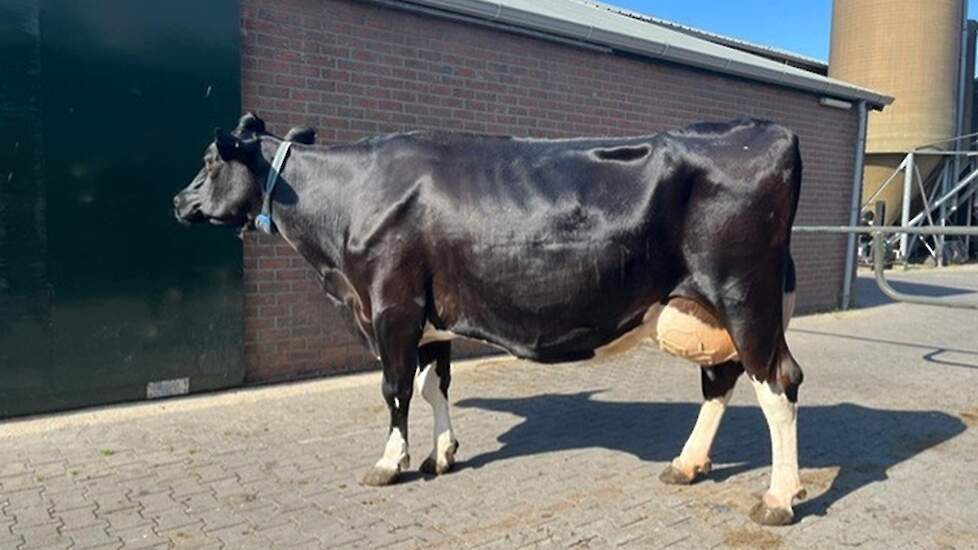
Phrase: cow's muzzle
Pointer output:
(187, 209)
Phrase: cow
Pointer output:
(553, 250)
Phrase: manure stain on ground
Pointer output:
(752, 537)
(970, 417)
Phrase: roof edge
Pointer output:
(498, 12)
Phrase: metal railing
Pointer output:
(879, 234)
(953, 186)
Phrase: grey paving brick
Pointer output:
(10, 540)
(90, 537)
(56, 542)
(129, 518)
(551, 456)
(172, 518)
(189, 536)
(79, 517)
(30, 517)
(143, 536)
(287, 534)
(219, 518)
(241, 536)
(153, 503)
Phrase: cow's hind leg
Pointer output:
(432, 382)
(776, 379)
(398, 334)
(718, 383)
(779, 403)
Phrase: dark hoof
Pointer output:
(771, 516)
(378, 477)
(674, 476)
(430, 466)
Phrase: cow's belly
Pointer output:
(682, 328)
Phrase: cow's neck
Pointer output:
(309, 209)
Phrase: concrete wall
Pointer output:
(352, 69)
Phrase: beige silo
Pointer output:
(907, 49)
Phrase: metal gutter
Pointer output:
(854, 208)
(591, 24)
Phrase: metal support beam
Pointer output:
(857, 191)
(969, 213)
(905, 215)
(968, 180)
(945, 184)
(870, 201)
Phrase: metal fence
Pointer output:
(880, 235)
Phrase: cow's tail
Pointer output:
(794, 181)
(788, 370)
(795, 192)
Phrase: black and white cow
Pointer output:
(553, 250)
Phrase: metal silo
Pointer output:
(909, 49)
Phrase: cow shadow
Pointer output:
(862, 443)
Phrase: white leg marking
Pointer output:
(695, 456)
(395, 457)
(428, 383)
(782, 420)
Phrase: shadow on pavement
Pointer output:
(868, 294)
(863, 443)
(933, 354)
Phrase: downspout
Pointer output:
(963, 75)
(854, 207)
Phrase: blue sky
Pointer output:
(801, 26)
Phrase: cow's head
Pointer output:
(227, 189)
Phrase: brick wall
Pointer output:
(352, 69)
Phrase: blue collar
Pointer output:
(264, 220)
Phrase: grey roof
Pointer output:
(587, 22)
(796, 59)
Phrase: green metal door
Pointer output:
(25, 306)
(129, 302)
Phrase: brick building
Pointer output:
(355, 68)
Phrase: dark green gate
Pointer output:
(105, 109)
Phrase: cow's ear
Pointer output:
(231, 147)
(250, 122)
(299, 134)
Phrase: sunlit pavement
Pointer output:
(563, 455)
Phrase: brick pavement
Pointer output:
(560, 455)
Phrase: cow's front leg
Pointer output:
(718, 383)
(433, 382)
(781, 411)
(397, 335)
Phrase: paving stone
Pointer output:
(140, 536)
(241, 536)
(188, 536)
(79, 517)
(30, 517)
(172, 518)
(551, 456)
(90, 537)
(126, 519)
